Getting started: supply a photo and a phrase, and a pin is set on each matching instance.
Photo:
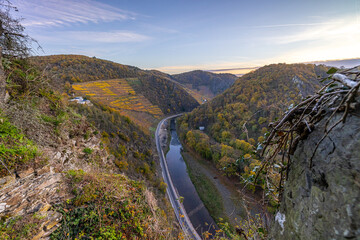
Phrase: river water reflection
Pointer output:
(198, 214)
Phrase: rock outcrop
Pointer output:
(323, 202)
(31, 194)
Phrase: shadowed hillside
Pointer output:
(143, 97)
(206, 84)
(69, 69)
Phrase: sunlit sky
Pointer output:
(177, 36)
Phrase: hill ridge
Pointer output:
(204, 83)
(68, 72)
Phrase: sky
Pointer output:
(183, 35)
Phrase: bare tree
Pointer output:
(14, 41)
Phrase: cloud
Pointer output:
(330, 51)
(294, 25)
(335, 31)
(107, 37)
(338, 39)
(82, 38)
(64, 12)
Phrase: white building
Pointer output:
(80, 100)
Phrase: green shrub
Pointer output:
(123, 137)
(88, 150)
(162, 187)
(16, 151)
(105, 207)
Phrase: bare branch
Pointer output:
(13, 40)
(300, 121)
(344, 80)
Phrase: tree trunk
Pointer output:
(2, 82)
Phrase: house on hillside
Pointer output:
(201, 128)
(81, 100)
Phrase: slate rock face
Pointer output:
(323, 202)
(34, 192)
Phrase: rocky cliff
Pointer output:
(324, 202)
(30, 194)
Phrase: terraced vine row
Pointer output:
(118, 95)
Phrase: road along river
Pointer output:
(190, 211)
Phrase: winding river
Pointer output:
(196, 211)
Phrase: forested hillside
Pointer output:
(204, 83)
(145, 95)
(70, 161)
(237, 120)
(68, 69)
(255, 100)
(78, 68)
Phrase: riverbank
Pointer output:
(236, 203)
(195, 208)
(206, 189)
(180, 212)
(220, 198)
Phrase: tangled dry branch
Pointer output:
(338, 95)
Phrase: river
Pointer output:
(198, 214)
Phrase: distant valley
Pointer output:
(204, 84)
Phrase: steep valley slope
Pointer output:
(74, 171)
(311, 183)
(244, 110)
(227, 130)
(205, 85)
(143, 96)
